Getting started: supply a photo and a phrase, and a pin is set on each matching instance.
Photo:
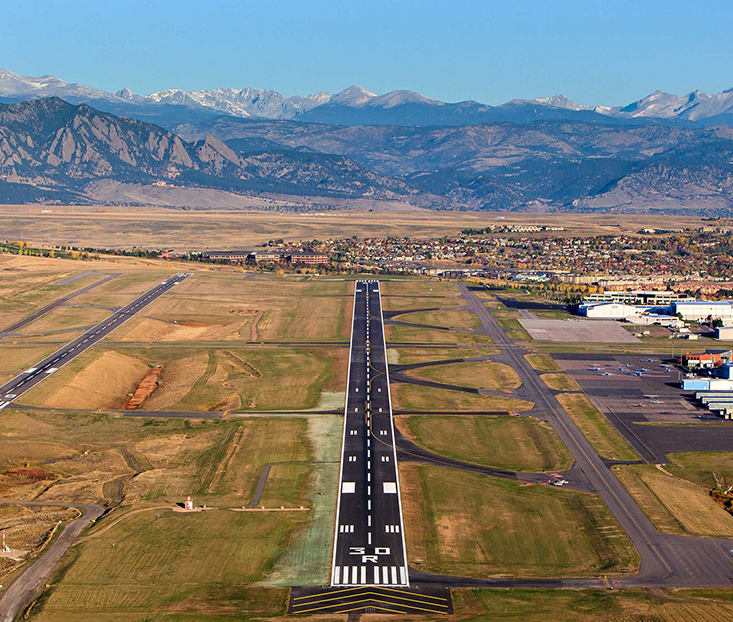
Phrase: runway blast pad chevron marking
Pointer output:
(371, 599)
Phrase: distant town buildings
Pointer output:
(269, 256)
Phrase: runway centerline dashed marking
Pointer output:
(371, 480)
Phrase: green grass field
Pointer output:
(700, 467)
(163, 564)
(596, 428)
(407, 303)
(482, 605)
(535, 530)
(397, 333)
(453, 318)
(418, 287)
(514, 330)
(478, 375)
(420, 398)
(515, 443)
(408, 356)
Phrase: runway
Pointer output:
(23, 382)
(369, 542)
(9, 330)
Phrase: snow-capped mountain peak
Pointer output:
(560, 101)
(357, 105)
(353, 96)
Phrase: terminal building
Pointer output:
(655, 298)
(643, 315)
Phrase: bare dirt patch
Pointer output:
(146, 387)
(176, 380)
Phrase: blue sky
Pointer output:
(491, 50)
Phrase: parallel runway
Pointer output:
(369, 543)
(9, 330)
(23, 382)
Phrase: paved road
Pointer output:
(26, 585)
(369, 544)
(50, 307)
(665, 560)
(13, 389)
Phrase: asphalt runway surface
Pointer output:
(23, 382)
(666, 561)
(56, 303)
(369, 544)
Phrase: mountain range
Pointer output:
(358, 106)
(51, 150)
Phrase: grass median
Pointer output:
(675, 505)
(419, 398)
(560, 382)
(596, 428)
(487, 375)
(515, 443)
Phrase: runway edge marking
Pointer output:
(343, 438)
(394, 442)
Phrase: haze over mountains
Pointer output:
(358, 106)
(549, 154)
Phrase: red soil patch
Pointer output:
(145, 388)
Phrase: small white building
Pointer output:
(724, 332)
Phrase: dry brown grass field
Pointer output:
(542, 362)
(447, 318)
(191, 229)
(675, 505)
(560, 382)
(409, 356)
(420, 398)
(596, 428)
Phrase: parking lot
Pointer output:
(642, 399)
